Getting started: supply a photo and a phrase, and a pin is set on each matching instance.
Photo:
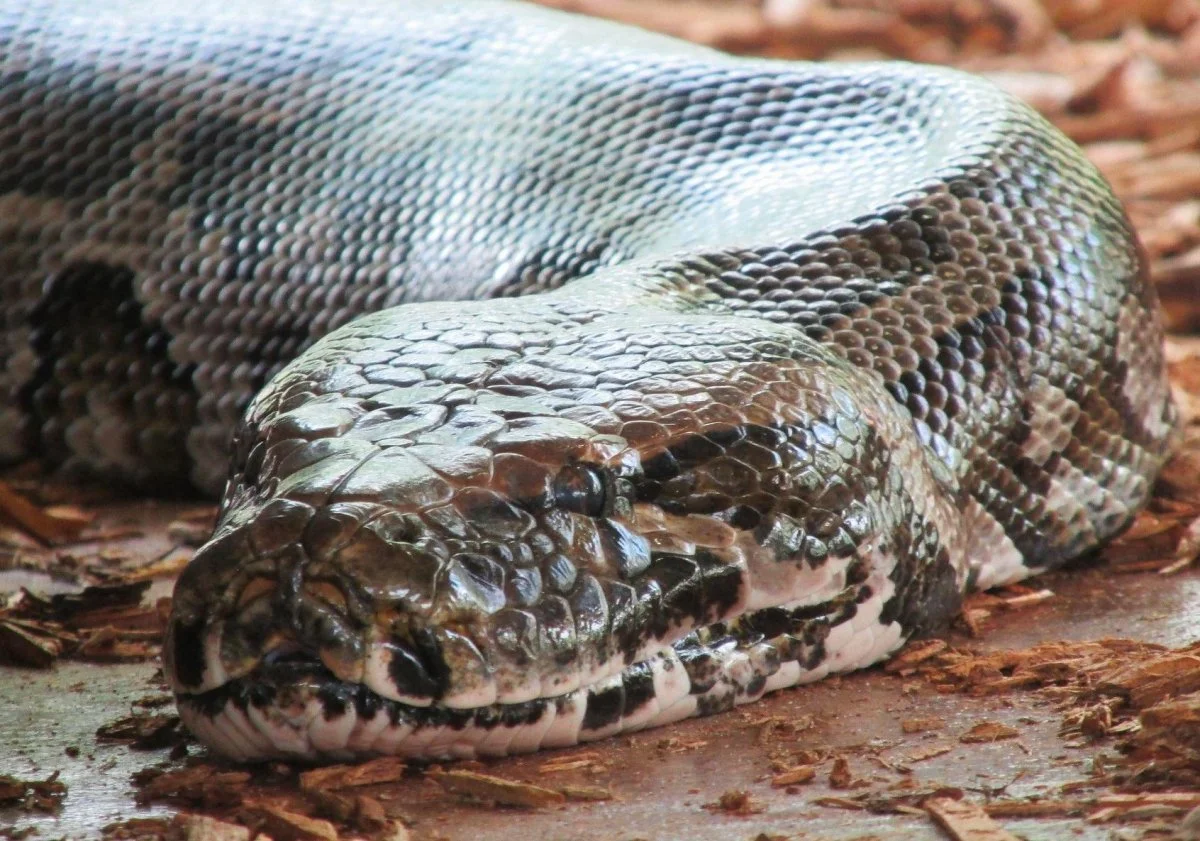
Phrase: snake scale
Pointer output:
(594, 380)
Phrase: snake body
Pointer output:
(682, 377)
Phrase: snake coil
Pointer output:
(712, 376)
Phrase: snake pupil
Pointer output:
(581, 489)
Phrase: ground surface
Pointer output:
(661, 780)
(1071, 740)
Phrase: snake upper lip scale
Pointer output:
(683, 377)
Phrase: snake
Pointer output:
(562, 379)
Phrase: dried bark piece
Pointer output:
(736, 802)
(497, 789)
(794, 776)
(840, 776)
(387, 769)
(285, 825)
(965, 821)
(1182, 799)
(1034, 808)
(198, 785)
(585, 761)
(929, 752)
(1146, 683)
(141, 829)
(989, 731)
(52, 526)
(205, 828)
(33, 644)
(921, 725)
(143, 732)
(913, 654)
(586, 793)
(32, 795)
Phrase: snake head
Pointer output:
(491, 510)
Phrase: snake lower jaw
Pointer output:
(293, 707)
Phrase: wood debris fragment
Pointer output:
(32, 795)
(283, 824)
(794, 776)
(989, 731)
(736, 802)
(592, 794)
(498, 790)
(52, 526)
(840, 776)
(143, 732)
(578, 761)
(965, 821)
(914, 654)
(205, 828)
(929, 752)
(387, 769)
(196, 785)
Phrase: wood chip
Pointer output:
(496, 789)
(52, 526)
(580, 761)
(388, 769)
(286, 825)
(840, 776)
(921, 725)
(965, 821)
(143, 732)
(1150, 681)
(586, 793)
(200, 785)
(1033, 808)
(32, 795)
(206, 828)
(736, 802)
(989, 731)
(794, 776)
(929, 752)
(914, 654)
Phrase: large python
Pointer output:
(764, 364)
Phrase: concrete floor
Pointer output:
(662, 778)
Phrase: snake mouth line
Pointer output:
(298, 709)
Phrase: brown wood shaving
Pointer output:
(205, 828)
(914, 654)
(965, 821)
(199, 785)
(32, 795)
(1034, 808)
(586, 793)
(736, 802)
(51, 526)
(798, 775)
(583, 761)
(143, 732)
(388, 769)
(496, 790)
(286, 825)
(989, 731)
(929, 752)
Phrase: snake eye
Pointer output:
(580, 489)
